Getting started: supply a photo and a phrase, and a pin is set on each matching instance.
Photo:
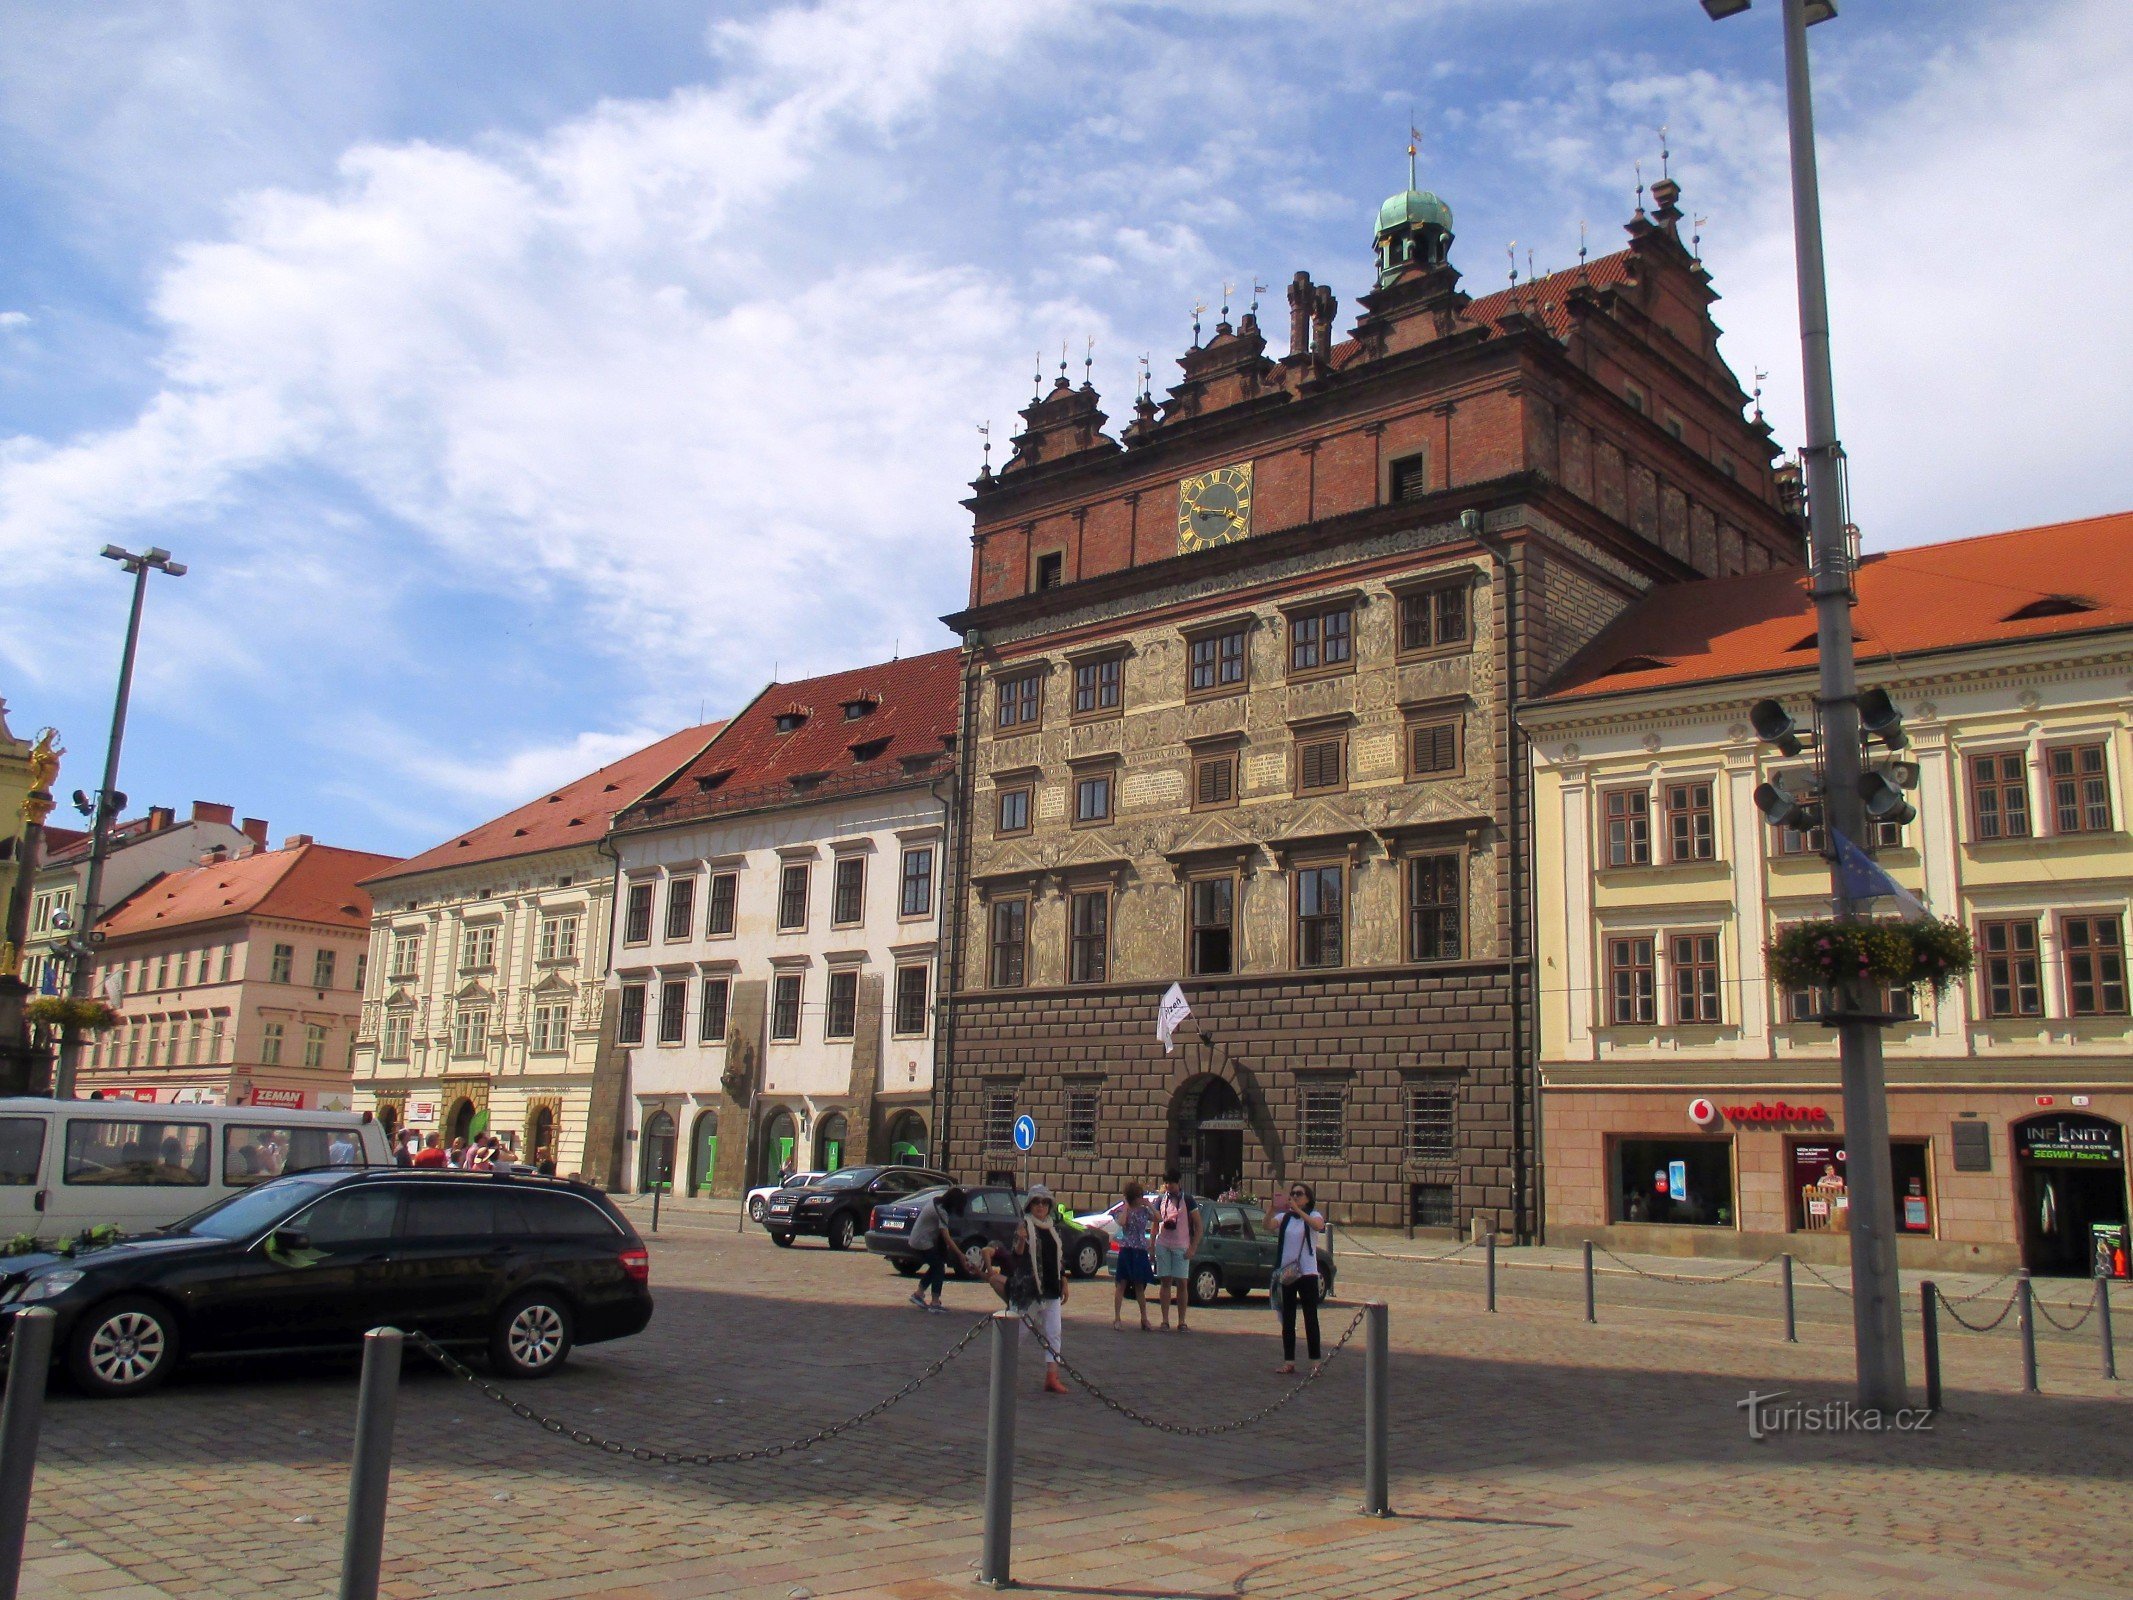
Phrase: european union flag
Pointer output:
(1864, 879)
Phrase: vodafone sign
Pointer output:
(1760, 1113)
(1702, 1112)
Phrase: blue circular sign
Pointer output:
(1025, 1131)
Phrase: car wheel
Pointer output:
(1089, 1258)
(974, 1245)
(123, 1347)
(532, 1337)
(1240, 1291)
(781, 1238)
(841, 1229)
(905, 1265)
(1206, 1283)
(755, 1208)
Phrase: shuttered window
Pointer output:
(1321, 763)
(1214, 780)
(1433, 749)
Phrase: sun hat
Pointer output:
(1038, 1191)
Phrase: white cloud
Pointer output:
(14, 320)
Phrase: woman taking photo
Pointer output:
(1134, 1269)
(1298, 1226)
(1036, 1278)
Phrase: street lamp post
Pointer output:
(108, 801)
(1877, 1309)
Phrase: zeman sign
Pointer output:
(2070, 1138)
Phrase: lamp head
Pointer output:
(1884, 799)
(112, 552)
(1773, 724)
(1879, 717)
(1719, 10)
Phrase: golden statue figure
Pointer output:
(44, 772)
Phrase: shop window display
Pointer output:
(1680, 1182)
(1821, 1195)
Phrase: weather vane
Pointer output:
(1511, 250)
(1664, 153)
(1147, 382)
(1696, 238)
(1088, 363)
(1581, 244)
(985, 433)
(1760, 375)
(1640, 188)
(1198, 306)
(1258, 289)
(1227, 287)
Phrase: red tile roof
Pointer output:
(2064, 578)
(909, 732)
(307, 883)
(577, 813)
(1544, 298)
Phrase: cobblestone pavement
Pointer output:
(1532, 1455)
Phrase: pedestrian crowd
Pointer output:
(487, 1152)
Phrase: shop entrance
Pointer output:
(703, 1159)
(1210, 1142)
(2073, 1183)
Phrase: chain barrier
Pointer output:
(1370, 1250)
(1808, 1267)
(2045, 1309)
(1977, 1327)
(1190, 1430)
(1688, 1277)
(1975, 1294)
(687, 1458)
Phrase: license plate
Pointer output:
(895, 1224)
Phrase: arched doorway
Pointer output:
(781, 1146)
(830, 1139)
(907, 1138)
(703, 1151)
(540, 1134)
(1208, 1118)
(2071, 1169)
(460, 1124)
(658, 1158)
(389, 1120)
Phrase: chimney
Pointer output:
(160, 817)
(208, 811)
(1299, 316)
(255, 829)
(296, 841)
(214, 854)
(1322, 308)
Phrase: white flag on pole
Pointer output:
(1169, 1012)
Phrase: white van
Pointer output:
(66, 1165)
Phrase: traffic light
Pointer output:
(1773, 724)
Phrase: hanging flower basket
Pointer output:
(59, 1011)
(1825, 954)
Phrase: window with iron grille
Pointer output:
(725, 891)
(785, 1006)
(711, 1028)
(1218, 662)
(1409, 478)
(1690, 828)
(2095, 966)
(1089, 936)
(1214, 916)
(2081, 790)
(1000, 1119)
(916, 899)
(1321, 640)
(1433, 1205)
(1014, 810)
(1433, 1117)
(1092, 799)
(1097, 685)
(1321, 763)
(1629, 827)
(282, 968)
(1434, 619)
(1630, 980)
(1214, 780)
(1433, 748)
(673, 1007)
(629, 1015)
(841, 1018)
(2009, 969)
(1320, 915)
(1081, 1119)
(792, 897)
(637, 915)
(1324, 1136)
(1019, 703)
(1693, 957)
(911, 985)
(1434, 904)
(1999, 797)
(848, 891)
(1010, 942)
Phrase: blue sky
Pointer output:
(519, 378)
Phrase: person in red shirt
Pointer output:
(432, 1152)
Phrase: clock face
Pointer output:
(1215, 508)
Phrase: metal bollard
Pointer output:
(1492, 1269)
(2026, 1319)
(994, 1559)
(370, 1474)
(1929, 1323)
(1792, 1327)
(1377, 1409)
(1591, 1310)
(29, 1367)
(2103, 1325)
(657, 1188)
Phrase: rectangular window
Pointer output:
(321, 969)
(133, 1045)
(407, 953)
(1629, 827)
(792, 897)
(1320, 641)
(551, 1024)
(1324, 1135)
(185, 958)
(1214, 925)
(1630, 980)
(1218, 662)
(229, 953)
(1321, 763)
(314, 1045)
(470, 1031)
(841, 1019)
(637, 915)
(1097, 685)
(2095, 966)
(1010, 943)
(1019, 702)
(1680, 1182)
(362, 968)
(711, 1028)
(1000, 1119)
(1014, 810)
(477, 948)
(916, 896)
(1081, 1120)
(2007, 950)
(559, 939)
(280, 970)
(1999, 797)
(1089, 936)
(214, 1039)
(785, 1006)
(1051, 569)
(399, 1027)
(1694, 960)
(1433, 1118)
(629, 1021)
(1690, 829)
(1433, 748)
(270, 1042)
(681, 907)
(725, 890)
(127, 1153)
(673, 1009)
(193, 1032)
(1409, 478)
(1321, 916)
(848, 891)
(1214, 780)
(1434, 904)
(1092, 799)
(1434, 619)
(2081, 790)
(911, 985)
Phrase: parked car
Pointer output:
(66, 1165)
(1236, 1254)
(837, 1208)
(524, 1268)
(759, 1198)
(990, 1212)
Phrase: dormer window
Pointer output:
(2051, 605)
(869, 750)
(861, 707)
(713, 780)
(791, 721)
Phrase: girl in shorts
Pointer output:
(1134, 1269)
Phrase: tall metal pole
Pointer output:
(78, 970)
(21, 1414)
(1877, 1313)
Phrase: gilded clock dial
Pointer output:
(1215, 508)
